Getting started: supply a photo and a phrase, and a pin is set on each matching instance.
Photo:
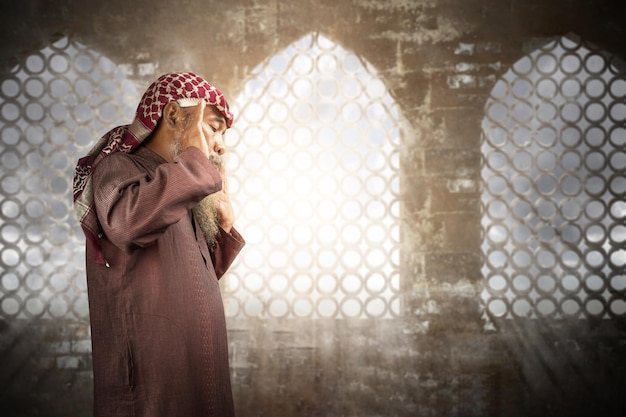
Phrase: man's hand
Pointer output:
(224, 206)
(192, 134)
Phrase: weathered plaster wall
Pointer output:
(439, 58)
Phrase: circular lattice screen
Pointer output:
(52, 108)
(554, 211)
(314, 168)
(314, 174)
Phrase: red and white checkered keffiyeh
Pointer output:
(168, 87)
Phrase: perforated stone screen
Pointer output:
(554, 208)
(314, 175)
(52, 108)
(315, 178)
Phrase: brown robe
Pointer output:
(157, 318)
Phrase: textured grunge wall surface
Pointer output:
(442, 356)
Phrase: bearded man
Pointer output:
(152, 201)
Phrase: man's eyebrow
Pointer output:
(218, 119)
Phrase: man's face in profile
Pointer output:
(213, 130)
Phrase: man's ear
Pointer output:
(172, 115)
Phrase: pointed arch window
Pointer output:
(554, 163)
(53, 106)
(314, 168)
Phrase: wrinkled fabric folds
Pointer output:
(157, 317)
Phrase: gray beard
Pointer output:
(205, 214)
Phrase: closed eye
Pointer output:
(215, 127)
(217, 123)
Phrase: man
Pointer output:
(152, 200)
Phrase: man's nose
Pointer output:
(218, 146)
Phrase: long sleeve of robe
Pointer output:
(157, 318)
